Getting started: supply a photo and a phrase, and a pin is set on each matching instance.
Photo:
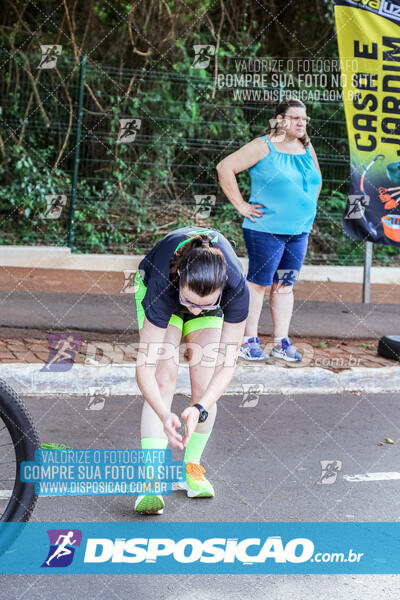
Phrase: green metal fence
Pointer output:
(130, 152)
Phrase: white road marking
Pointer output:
(373, 476)
(6, 494)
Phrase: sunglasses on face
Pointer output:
(203, 307)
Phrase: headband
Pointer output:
(184, 242)
(188, 240)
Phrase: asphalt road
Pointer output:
(264, 462)
(108, 313)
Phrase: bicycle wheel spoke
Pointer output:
(19, 441)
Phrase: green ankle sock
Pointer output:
(154, 443)
(195, 447)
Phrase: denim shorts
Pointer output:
(274, 256)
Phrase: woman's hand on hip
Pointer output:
(251, 210)
(191, 417)
(171, 424)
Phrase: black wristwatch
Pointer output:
(203, 413)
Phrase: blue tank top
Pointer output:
(287, 186)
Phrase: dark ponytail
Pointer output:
(281, 109)
(203, 268)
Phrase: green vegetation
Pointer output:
(140, 66)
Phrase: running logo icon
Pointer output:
(62, 547)
(204, 205)
(62, 350)
(251, 394)
(55, 204)
(128, 130)
(282, 124)
(329, 471)
(50, 53)
(203, 54)
(131, 281)
(97, 398)
(287, 276)
(357, 203)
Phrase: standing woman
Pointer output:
(193, 286)
(285, 184)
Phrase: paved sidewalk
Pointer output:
(107, 364)
(26, 346)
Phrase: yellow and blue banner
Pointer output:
(368, 33)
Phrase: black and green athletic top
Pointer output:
(162, 297)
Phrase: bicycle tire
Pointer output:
(25, 439)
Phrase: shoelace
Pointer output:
(252, 341)
(194, 470)
(285, 344)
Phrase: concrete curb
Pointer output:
(29, 380)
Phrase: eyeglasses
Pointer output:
(193, 305)
(298, 119)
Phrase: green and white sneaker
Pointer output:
(196, 485)
(150, 504)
